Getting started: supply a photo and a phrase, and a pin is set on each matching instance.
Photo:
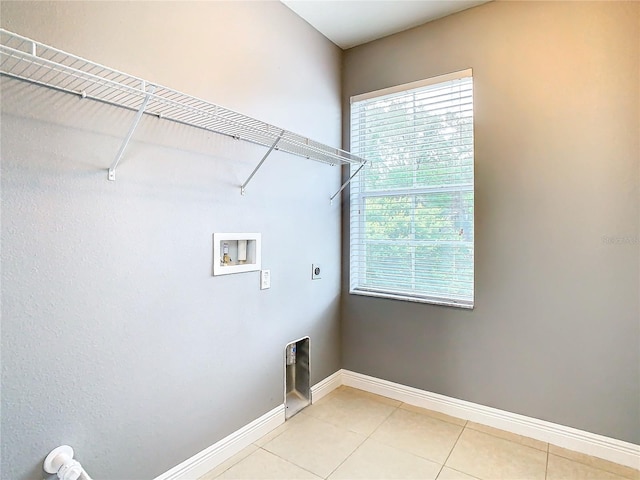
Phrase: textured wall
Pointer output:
(555, 333)
(116, 339)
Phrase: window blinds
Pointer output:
(411, 221)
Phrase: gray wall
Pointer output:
(116, 339)
(555, 333)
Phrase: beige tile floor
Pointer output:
(351, 434)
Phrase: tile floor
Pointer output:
(351, 434)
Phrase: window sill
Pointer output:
(408, 298)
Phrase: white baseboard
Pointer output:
(211, 457)
(326, 386)
(600, 446)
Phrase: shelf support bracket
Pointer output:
(244, 185)
(132, 128)
(344, 185)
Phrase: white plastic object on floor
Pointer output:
(60, 461)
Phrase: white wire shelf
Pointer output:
(26, 59)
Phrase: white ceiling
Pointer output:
(348, 23)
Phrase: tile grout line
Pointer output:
(347, 458)
(367, 437)
(601, 468)
(464, 425)
(452, 448)
(233, 464)
(289, 461)
(333, 425)
(280, 457)
(260, 446)
(395, 409)
(624, 476)
(546, 467)
(507, 439)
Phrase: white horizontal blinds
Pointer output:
(412, 205)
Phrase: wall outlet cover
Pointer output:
(265, 279)
(316, 271)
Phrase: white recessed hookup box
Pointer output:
(236, 253)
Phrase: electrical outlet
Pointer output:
(265, 279)
(316, 271)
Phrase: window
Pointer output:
(411, 228)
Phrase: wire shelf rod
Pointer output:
(344, 185)
(244, 185)
(136, 120)
(78, 74)
(31, 61)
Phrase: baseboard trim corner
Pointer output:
(607, 448)
(326, 386)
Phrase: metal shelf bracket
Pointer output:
(244, 185)
(344, 185)
(132, 128)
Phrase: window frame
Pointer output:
(357, 288)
